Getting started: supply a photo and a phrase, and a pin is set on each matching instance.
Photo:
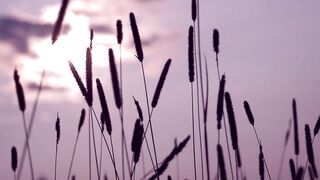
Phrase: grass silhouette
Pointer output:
(140, 135)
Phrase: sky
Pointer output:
(269, 54)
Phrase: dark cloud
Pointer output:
(102, 28)
(17, 32)
(34, 87)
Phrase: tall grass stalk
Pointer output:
(315, 132)
(284, 149)
(216, 43)
(94, 142)
(22, 106)
(58, 131)
(295, 131)
(140, 57)
(311, 160)
(205, 114)
(175, 151)
(192, 62)
(31, 122)
(251, 120)
(199, 81)
(107, 146)
(119, 103)
(80, 124)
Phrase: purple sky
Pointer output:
(269, 52)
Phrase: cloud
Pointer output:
(17, 32)
(34, 87)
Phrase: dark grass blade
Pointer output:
(193, 10)
(310, 150)
(248, 112)
(316, 127)
(104, 107)
(81, 121)
(239, 162)
(119, 31)
(58, 24)
(176, 150)
(14, 159)
(216, 41)
(103, 121)
(57, 127)
(78, 79)
(299, 173)
(114, 79)
(288, 133)
(222, 166)
(261, 164)
(310, 173)
(89, 96)
(292, 169)
(139, 110)
(295, 127)
(19, 91)
(220, 101)
(160, 83)
(91, 38)
(232, 121)
(136, 37)
(134, 141)
(137, 151)
(191, 54)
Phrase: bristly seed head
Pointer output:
(136, 37)
(114, 79)
(193, 10)
(119, 31)
(81, 121)
(160, 84)
(220, 101)
(58, 128)
(19, 91)
(14, 158)
(216, 41)
(248, 112)
(191, 54)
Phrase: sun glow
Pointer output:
(71, 46)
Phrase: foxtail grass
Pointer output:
(310, 153)
(22, 106)
(191, 63)
(199, 80)
(175, 151)
(14, 161)
(80, 124)
(222, 167)
(261, 164)
(287, 135)
(32, 118)
(216, 43)
(118, 102)
(140, 57)
(136, 144)
(295, 131)
(58, 24)
(58, 132)
(251, 121)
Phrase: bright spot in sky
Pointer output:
(71, 46)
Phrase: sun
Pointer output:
(70, 46)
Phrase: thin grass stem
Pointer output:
(31, 122)
(28, 145)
